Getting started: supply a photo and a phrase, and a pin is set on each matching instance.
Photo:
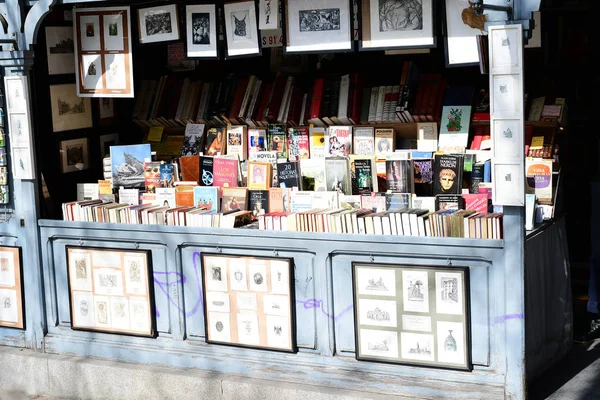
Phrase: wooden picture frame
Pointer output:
(158, 24)
(242, 39)
(201, 31)
(69, 110)
(12, 293)
(412, 315)
(306, 37)
(107, 286)
(383, 30)
(74, 155)
(249, 301)
(104, 66)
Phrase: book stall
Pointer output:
(288, 189)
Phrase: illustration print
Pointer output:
(400, 15)
(327, 19)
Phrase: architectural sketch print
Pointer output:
(377, 312)
(449, 290)
(415, 286)
(376, 285)
(449, 297)
(451, 342)
(376, 281)
(400, 15)
(81, 269)
(378, 343)
(326, 19)
(417, 346)
(378, 315)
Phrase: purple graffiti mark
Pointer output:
(504, 318)
(314, 303)
(180, 278)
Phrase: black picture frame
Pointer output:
(431, 271)
(153, 334)
(184, 35)
(434, 12)
(293, 348)
(23, 325)
(221, 21)
(176, 23)
(284, 28)
(445, 33)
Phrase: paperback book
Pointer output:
(298, 144)
(447, 174)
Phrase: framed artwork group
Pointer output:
(412, 315)
(12, 304)
(19, 130)
(111, 290)
(249, 301)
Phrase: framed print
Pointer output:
(19, 129)
(106, 111)
(506, 55)
(74, 155)
(461, 39)
(12, 295)
(241, 29)
(16, 95)
(111, 290)
(506, 99)
(60, 49)
(396, 24)
(103, 58)
(201, 31)
(22, 164)
(507, 137)
(268, 14)
(414, 315)
(106, 141)
(158, 24)
(317, 26)
(249, 301)
(509, 182)
(69, 111)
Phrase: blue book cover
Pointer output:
(167, 178)
(397, 201)
(487, 171)
(207, 197)
(421, 154)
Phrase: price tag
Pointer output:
(272, 38)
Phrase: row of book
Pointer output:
(332, 99)
(398, 222)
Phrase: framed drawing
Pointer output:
(69, 111)
(461, 39)
(16, 94)
(396, 24)
(18, 125)
(158, 24)
(60, 49)
(22, 167)
(241, 29)
(201, 31)
(74, 155)
(505, 56)
(12, 295)
(268, 14)
(317, 26)
(106, 141)
(111, 290)
(413, 315)
(103, 57)
(509, 182)
(507, 138)
(249, 301)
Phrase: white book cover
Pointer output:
(301, 201)
(329, 199)
(423, 202)
(428, 136)
(384, 142)
(165, 197)
(87, 191)
(236, 142)
(317, 142)
(364, 141)
(129, 196)
(314, 170)
(339, 141)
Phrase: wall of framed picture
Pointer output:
(12, 295)
(111, 290)
(412, 315)
(19, 129)
(103, 57)
(249, 301)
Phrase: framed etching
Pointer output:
(317, 26)
(103, 57)
(241, 29)
(396, 24)
(111, 290)
(60, 49)
(201, 31)
(412, 315)
(508, 177)
(269, 16)
(12, 299)
(69, 111)
(249, 301)
(74, 155)
(461, 39)
(507, 137)
(158, 24)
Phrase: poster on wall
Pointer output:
(111, 290)
(412, 315)
(249, 301)
(12, 309)
(103, 59)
